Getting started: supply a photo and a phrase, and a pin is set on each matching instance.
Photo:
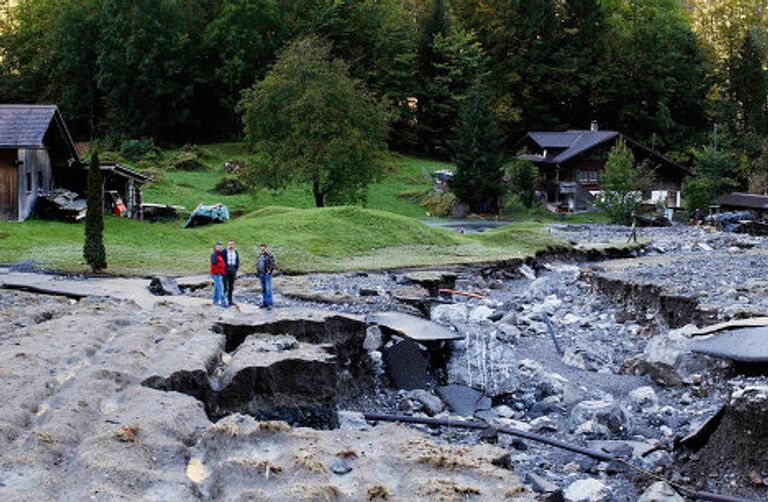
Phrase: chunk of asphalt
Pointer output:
(415, 328)
(407, 365)
(749, 345)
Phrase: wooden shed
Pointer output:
(36, 154)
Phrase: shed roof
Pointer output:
(745, 200)
(26, 126)
(126, 172)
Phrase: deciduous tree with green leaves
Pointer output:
(478, 153)
(93, 249)
(309, 121)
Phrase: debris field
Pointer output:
(111, 396)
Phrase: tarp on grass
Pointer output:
(205, 215)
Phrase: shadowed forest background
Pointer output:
(681, 76)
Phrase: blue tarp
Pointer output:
(205, 215)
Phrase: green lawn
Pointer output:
(403, 175)
(304, 240)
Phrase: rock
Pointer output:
(587, 490)
(407, 365)
(368, 292)
(660, 492)
(452, 314)
(481, 313)
(504, 411)
(527, 272)
(164, 286)
(463, 400)
(507, 333)
(286, 343)
(431, 403)
(340, 467)
(586, 358)
(352, 421)
(550, 491)
(644, 399)
(373, 338)
(603, 419)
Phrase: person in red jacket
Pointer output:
(218, 269)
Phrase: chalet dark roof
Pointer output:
(26, 126)
(563, 146)
(126, 172)
(572, 143)
(745, 200)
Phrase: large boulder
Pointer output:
(660, 492)
(600, 419)
(587, 490)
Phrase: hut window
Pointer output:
(40, 181)
(29, 182)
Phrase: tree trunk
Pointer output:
(319, 197)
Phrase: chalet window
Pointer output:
(587, 176)
(29, 182)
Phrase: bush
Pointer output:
(438, 204)
(187, 161)
(139, 149)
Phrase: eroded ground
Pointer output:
(176, 400)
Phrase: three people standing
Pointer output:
(225, 264)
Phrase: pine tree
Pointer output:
(93, 249)
(750, 84)
(477, 152)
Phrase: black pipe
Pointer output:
(471, 424)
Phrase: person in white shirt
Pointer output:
(232, 264)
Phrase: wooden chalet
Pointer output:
(571, 164)
(37, 156)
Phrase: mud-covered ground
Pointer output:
(113, 402)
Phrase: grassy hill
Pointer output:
(304, 240)
(403, 176)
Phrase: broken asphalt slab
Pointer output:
(412, 327)
(749, 345)
(118, 288)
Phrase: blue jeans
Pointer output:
(266, 289)
(218, 290)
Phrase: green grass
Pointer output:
(188, 189)
(304, 240)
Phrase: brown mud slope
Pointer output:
(738, 445)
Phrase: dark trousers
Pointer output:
(229, 284)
